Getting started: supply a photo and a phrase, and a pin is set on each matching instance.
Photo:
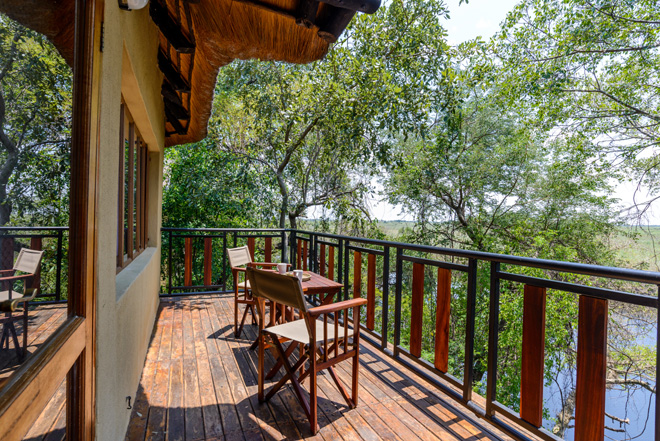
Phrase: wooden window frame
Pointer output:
(135, 194)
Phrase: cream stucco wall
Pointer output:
(127, 302)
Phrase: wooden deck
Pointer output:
(199, 382)
(43, 320)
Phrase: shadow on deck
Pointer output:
(199, 382)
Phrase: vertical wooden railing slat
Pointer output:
(187, 269)
(591, 369)
(250, 243)
(299, 255)
(357, 274)
(322, 261)
(442, 314)
(371, 291)
(533, 354)
(331, 263)
(417, 310)
(36, 244)
(268, 249)
(208, 261)
(305, 256)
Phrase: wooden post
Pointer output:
(533, 354)
(591, 369)
(442, 314)
(187, 274)
(208, 261)
(417, 310)
(371, 291)
(322, 262)
(268, 249)
(250, 243)
(331, 263)
(357, 275)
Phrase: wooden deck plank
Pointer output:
(176, 430)
(156, 422)
(245, 363)
(138, 423)
(200, 382)
(43, 321)
(225, 400)
(194, 421)
(208, 400)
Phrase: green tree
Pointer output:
(205, 187)
(589, 67)
(35, 121)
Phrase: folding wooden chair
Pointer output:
(239, 260)
(320, 333)
(27, 264)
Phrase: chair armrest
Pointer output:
(12, 278)
(264, 264)
(334, 307)
(7, 271)
(8, 306)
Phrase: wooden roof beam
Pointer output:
(366, 6)
(333, 22)
(307, 11)
(172, 100)
(172, 74)
(169, 28)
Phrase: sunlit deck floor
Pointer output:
(43, 320)
(199, 382)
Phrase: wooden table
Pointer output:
(325, 288)
(319, 285)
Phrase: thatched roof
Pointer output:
(198, 37)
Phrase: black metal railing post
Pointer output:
(169, 260)
(397, 300)
(284, 246)
(657, 368)
(493, 337)
(347, 245)
(471, 303)
(293, 243)
(224, 261)
(386, 296)
(58, 264)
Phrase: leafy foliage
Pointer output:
(35, 121)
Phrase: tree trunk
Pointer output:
(7, 168)
(293, 220)
(284, 207)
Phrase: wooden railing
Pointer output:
(410, 286)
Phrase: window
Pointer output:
(132, 212)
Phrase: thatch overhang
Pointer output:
(197, 37)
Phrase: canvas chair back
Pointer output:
(280, 288)
(28, 261)
(239, 256)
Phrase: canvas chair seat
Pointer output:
(297, 331)
(4, 295)
(244, 285)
